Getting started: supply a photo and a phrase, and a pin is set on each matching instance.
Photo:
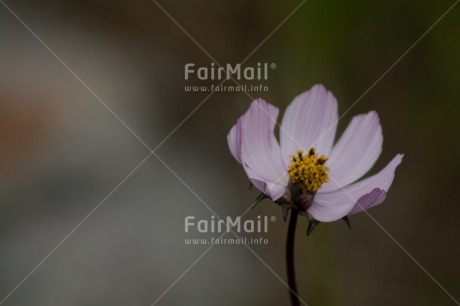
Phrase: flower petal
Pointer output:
(234, 141)
(356, 151)
(331, 206)
(274, 191)
(310, 121)
(375, 197)
(253, 143)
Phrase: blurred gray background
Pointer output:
(62, 152)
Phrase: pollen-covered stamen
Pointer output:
(308, 170)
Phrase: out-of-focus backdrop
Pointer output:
(62, 152)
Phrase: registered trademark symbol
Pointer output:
(272, 65)
(272, 218)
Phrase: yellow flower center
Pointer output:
(308, 170)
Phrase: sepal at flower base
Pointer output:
(262, 196)
(312, 224)
(285, 211)
(347, 221)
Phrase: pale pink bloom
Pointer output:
(311, 121)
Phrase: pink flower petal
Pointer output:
(253, 143)
(331, 206)
(310, 121)
(356, 151)
(234, 141)
(274, 191)
(375, 197)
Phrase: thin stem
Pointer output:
(290, 259)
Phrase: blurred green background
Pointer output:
(63, 152)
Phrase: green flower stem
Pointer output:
(290, 259)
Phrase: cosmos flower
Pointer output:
(305, 170)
